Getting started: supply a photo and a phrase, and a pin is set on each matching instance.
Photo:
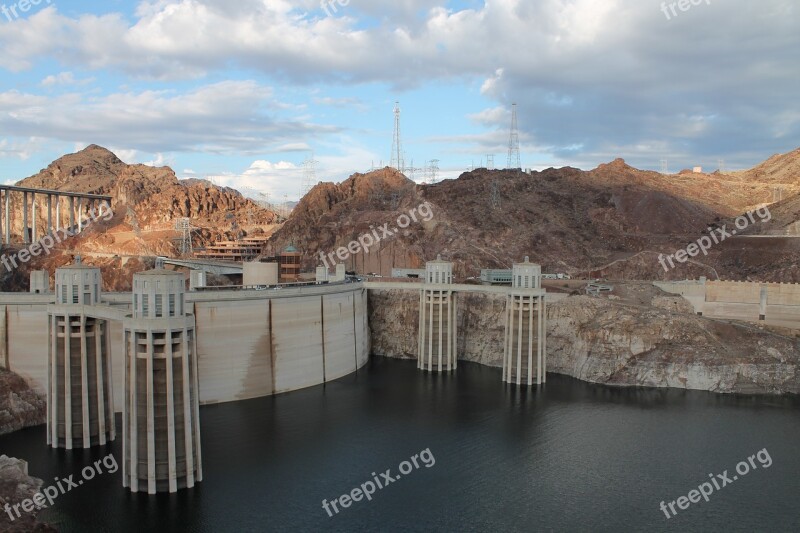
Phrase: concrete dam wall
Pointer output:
(249, 343)
(774, 304)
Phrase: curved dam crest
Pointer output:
(250, 344)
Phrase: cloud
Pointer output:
(718, 79)
(225, 117)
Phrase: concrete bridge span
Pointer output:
(53, 202)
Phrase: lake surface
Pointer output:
(568, 456)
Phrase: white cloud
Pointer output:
(582, 71)
(225, 117)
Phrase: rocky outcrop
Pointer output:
(638, 336)
(145, 200)
(609, 222)
(20, 406)
(17, 486)
(616, 343)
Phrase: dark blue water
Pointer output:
(568, 456)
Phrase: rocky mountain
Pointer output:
(612, 221)
(146, 202)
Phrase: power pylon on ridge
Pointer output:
(184, 226)
(664, 166)
(490, 162)
(397, 145)
(721, 165)
(432, 171)
(513, 142)
(411, 171)
(495, 194)
(309, 175)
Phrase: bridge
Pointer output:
(85, 202)
(221, 268)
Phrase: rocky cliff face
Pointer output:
(15, 487)
(20, 406)
(612, 221)
(146, 202)
(637, 337)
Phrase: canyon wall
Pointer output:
(611, 341)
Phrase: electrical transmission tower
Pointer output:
(664, 166)
(397, 145)
(513, 142)
(432, 171)
(495, 194)
(184, 226)
(309, 175)
(721, 165)
(411, 171)
(490, 162)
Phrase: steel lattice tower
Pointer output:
(513, 142)
(397, 145)
(309, 175)
(185, 227)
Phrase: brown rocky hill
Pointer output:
(146, 202)
(612, 221)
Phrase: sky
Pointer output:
(244, 92)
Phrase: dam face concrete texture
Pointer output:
(245, 339)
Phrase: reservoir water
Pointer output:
(567, 456)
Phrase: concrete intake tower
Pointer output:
(525, 353)
(161, 424)
(437, 319)
(80, 404)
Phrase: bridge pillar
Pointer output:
(58, 213)
(25, 238)
(7, 217)
(71, 212)
(80, 408)
(33, 217)
(80, 214)
(436, 345)
(49, 229)
(161, 422)
(525, 357)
